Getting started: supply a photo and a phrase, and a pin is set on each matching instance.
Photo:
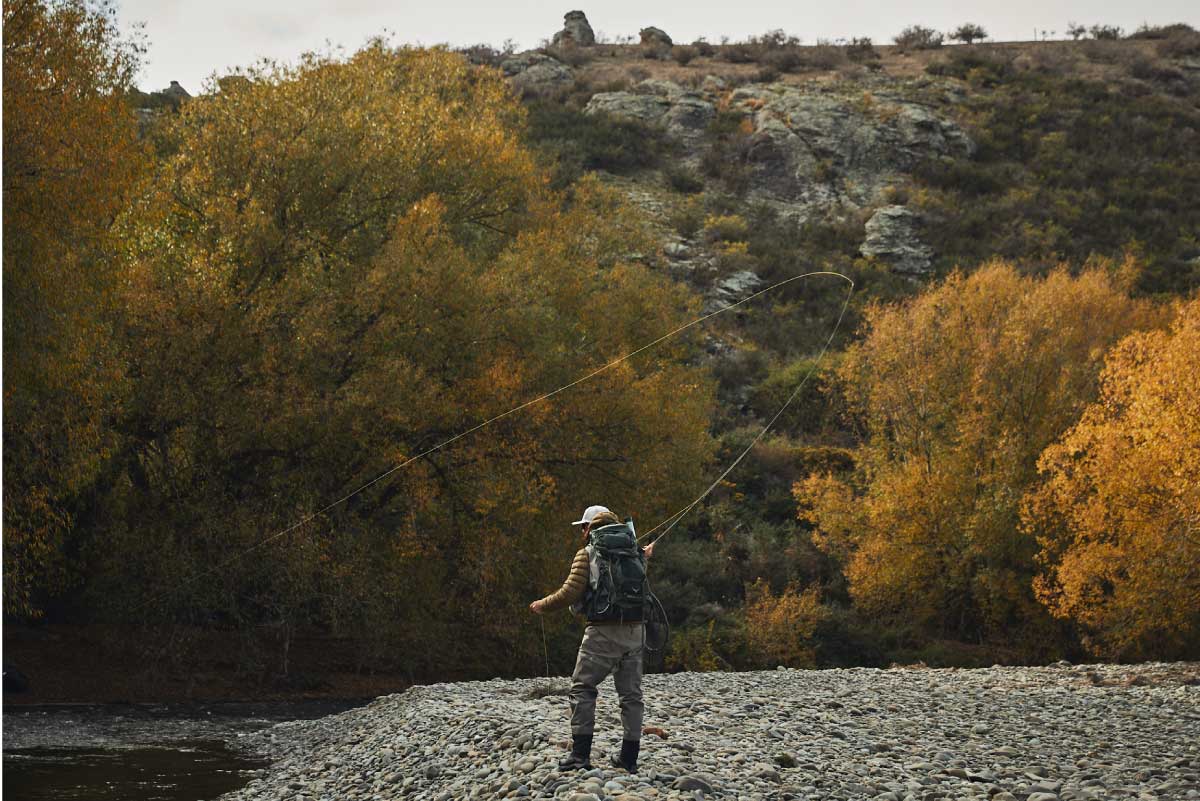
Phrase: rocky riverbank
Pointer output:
(1055, 733)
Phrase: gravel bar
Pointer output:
(1056, 733)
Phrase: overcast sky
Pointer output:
(190, 40)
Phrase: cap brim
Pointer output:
(578, 522)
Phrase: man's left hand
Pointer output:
(536, 607)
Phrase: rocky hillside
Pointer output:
(1060, 733)
(811, 150)
(888, 142)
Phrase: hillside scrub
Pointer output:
(574, 143)
(781, 52)
(968, 33)
(1181, 42)
(918, 37)
(1067, 169)
(801, 316)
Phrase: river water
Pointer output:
(137, 752)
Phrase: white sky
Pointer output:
(191, 40)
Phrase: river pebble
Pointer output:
(1058, 733)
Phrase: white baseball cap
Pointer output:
(590, 514)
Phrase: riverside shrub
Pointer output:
(959, 391)
(780, 628)
(1115, 513)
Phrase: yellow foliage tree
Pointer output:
(71, 158)
(337, 266)
(1118, 512)
(959, 390)
(780, 628)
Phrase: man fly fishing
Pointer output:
(607, 586)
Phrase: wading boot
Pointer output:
(581, 754)
(628, 757)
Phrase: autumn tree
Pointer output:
(780, 628)
(958, 391)
(71, 156)
(1118, 512)
(337, 266)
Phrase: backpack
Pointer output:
(616, 575)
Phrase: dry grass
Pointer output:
(614, 64)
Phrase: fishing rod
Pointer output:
(546, 396)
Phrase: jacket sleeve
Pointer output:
(573, 588)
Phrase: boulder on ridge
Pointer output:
(576, 31)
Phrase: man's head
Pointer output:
(595, 515)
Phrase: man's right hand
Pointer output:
(536, 607)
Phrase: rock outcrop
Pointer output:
(533, 73)
(815, 148)
(654, 37)
(731, 289)
(683, 113)
(630, 105)
(576, 31)
(176, 91)
(809, 148)
(892, 237)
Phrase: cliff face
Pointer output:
(809, 149)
